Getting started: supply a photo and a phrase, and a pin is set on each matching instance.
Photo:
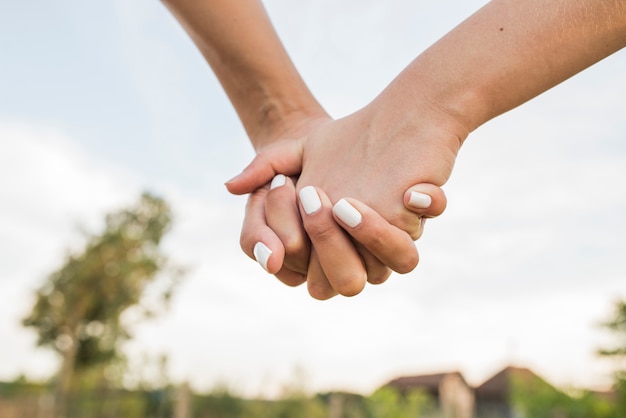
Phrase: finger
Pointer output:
(377, 271)
(426, 200)
(280, 157)
(317, 283)
(290, 277)
(389, 244)
(260, 243)
(337, 255)
(421, 201)
(283, 217)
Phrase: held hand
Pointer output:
(378, 243)
(365, 178)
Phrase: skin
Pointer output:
(275, 106)
(505, 54)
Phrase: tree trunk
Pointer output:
(64, 380)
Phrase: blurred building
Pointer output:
(457, 399)
(453, 395)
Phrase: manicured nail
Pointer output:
(347, 213)
(262, 254)
(310, 200)
(419, 200)
(277, 181)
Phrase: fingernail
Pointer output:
(419, 200)
(277, 181)
(310, 200)
(347, 213)
(262, 254)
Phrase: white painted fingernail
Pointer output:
(419, 200)
(310, 200)
(347, 213)
(262, 254)
(277, 181)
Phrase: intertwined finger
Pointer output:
(283, 217)
(388, 243)
(337, 255)
(260, 243)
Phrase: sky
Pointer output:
(102, 100)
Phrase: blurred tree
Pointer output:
(345, 405)
(78, 311)
(220, 403)
(537, 399)
(387, 402)
(617, 327)
(296, 401)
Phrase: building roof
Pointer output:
(499, 385)
(429, 383)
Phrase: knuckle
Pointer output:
(246, 244)
(407, 263)
(256, 197)
(378, 276)
(372, 234)
(409, 222)
(321, 231)
(378, 280)
(276, 197)
(297, 256)
(351, 285)
(291, 280)
(321, 292)
(375, 238)
(295, 245)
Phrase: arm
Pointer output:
(504, 55)
(239, 43)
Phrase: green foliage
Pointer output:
(620, 393)
(535, 398)
(387, 402)
(26, 399)
(617, 327)
(296, 407)
(82, 310)
(21, 386)
(222, 403)
(219, 404)
(346, 405)
(146, 372)
(79, 311)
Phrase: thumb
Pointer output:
(425, 199)
(280, 157)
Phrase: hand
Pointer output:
(377, 242)
(273, 226)
(340, 158)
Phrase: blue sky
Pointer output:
(99, 101)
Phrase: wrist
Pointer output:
(415, 116)
(284, 119)
(424, 94)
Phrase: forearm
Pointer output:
(239, 43)
(504, 55)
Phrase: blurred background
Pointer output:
(102, 101)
